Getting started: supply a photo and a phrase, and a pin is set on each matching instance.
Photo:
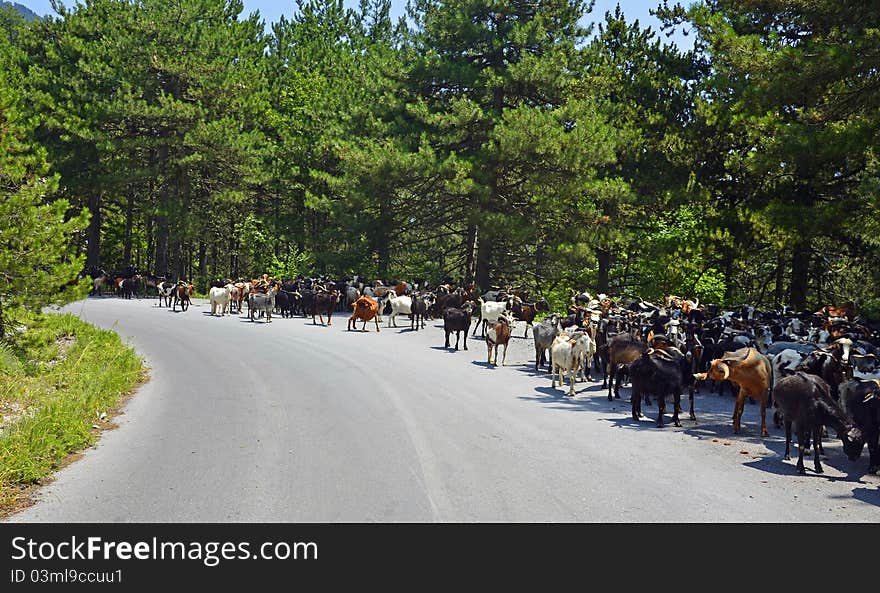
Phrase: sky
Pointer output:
(270, 10)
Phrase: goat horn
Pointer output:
(725, 370)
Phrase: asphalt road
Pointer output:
(290, 422)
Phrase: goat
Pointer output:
(567, 355)
(324, 302)
(421, 303)
(526, 311)
(457, 320)
(749, 369)
(587, 350)
(285, 301)
(262, 301)
(544, 333)
(182, 293)
(166, 291)
(498, 335)
(220, 299)
(129, 287)
(400, 305)
(622, 350)
(805, 401)
(365, 309)
(490, 311)
(661, 373)
(784, 364)
(239, 295)
(861, 400)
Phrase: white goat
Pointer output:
(567, 354)
(400, 305)
(220, 298)
(784, 363)
(490, 311)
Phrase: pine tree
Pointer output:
(38, 262)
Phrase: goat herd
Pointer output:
(816, 369)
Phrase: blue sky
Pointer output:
(272, 9)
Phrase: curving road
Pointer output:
(290, 422)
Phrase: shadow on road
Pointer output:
(450, 350)
(713, 423)
(775, 464)
(868, 495)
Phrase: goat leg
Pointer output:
(610, 381)
(816, 449)
(802, 437)
(636, 400)
(764, 432)
(874, 452)
(787, 440)
(691, 400)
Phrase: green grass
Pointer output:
(56, 379)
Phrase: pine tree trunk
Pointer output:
(800, 269)
(780, 279)
(484, 251)
(604, 259)
(728, 277)
(470, 239)
(203, 260)
(93, 249)
(150, 256)
(382, 251)
(214, 266)
(162, 267)
(129, 223)
(233, 262)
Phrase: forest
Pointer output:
(496, 142)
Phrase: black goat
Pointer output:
(661, 373)
(457, 320)
(284, 302)
(805, 401)
(829, 366)
(419, 308)
(861, 400)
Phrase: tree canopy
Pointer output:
(500, 142)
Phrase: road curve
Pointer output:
(290, 422)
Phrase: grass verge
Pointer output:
(61, 382)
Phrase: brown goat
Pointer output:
(622, 350)
(498, 335)
(364, 309)
(749, 369)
